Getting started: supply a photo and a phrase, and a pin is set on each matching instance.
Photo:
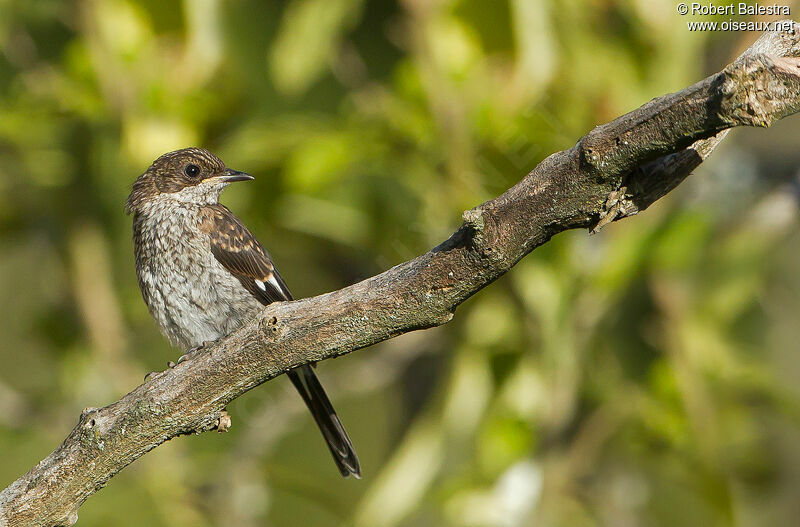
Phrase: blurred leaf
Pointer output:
(308, 38)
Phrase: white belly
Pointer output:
(192, 297)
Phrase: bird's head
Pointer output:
(191, 175)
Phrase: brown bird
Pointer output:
(203, 274)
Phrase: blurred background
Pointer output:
(643, 376)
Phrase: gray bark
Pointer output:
(616, 170)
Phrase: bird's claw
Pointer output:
(189, 352)
(193, 350)
(196, 348)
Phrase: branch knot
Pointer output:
(474, 222)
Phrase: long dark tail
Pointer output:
(306, 382)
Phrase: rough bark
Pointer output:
(616, 170)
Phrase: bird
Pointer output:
(203, 274)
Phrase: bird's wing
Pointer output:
(242, 255)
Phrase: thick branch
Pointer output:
(616, 170)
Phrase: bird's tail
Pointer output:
(306, 382)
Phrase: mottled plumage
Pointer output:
(203, 274)
(239, 252)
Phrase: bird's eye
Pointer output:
(192, 170)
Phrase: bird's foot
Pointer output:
(192, 350)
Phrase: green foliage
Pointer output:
(643, 376)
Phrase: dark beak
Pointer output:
(229, 176)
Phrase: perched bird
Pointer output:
(203, 274)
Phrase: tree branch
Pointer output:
(616, 170)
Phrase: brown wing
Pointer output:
(239, 252)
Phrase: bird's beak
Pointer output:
(230, 176)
